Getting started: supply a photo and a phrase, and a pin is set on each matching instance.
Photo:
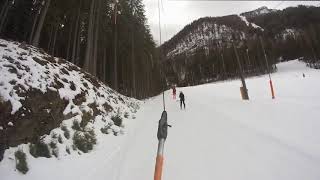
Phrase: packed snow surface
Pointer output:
(218, 136)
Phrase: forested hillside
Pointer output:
(205, 50)
(109, 39)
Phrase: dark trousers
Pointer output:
(2, 149)
(182, 102)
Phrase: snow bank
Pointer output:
(31, 69)
(24, 69)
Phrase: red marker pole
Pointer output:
(272, 91)
(270, 81)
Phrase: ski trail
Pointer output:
(219, 136)
(225, 132)
(134, 131)
(104, 163)
(139, 149)
(271, 138)
(265, 135)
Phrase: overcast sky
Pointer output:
(175, 14)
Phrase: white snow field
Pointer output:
(218, 136)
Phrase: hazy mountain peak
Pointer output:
(260, 11)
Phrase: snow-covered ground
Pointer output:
(244, 19)
(218, 136)
(25, 69)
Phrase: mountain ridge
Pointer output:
(259, 11)
(198, 49)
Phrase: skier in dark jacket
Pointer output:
(181, 96)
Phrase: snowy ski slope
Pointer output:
(218, 136)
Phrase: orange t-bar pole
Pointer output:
(162, 136)
(159, 161)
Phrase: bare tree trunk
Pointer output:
(76, 38)
(69, 39)
(3, 8)
(75, 44)
(132, 64)
(4, 13)
(104, 65)
(115, 49)
(123, 74)
(77, 56)
(148, 76)
(54, 39)
(50, 39)
(249, 63)
(88, 54)
(36, 39)
(96, 38)
(33, 27)
(223, 66)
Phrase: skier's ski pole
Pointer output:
(162, 136)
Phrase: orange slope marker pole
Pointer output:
(272, 90)
(265, 57)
